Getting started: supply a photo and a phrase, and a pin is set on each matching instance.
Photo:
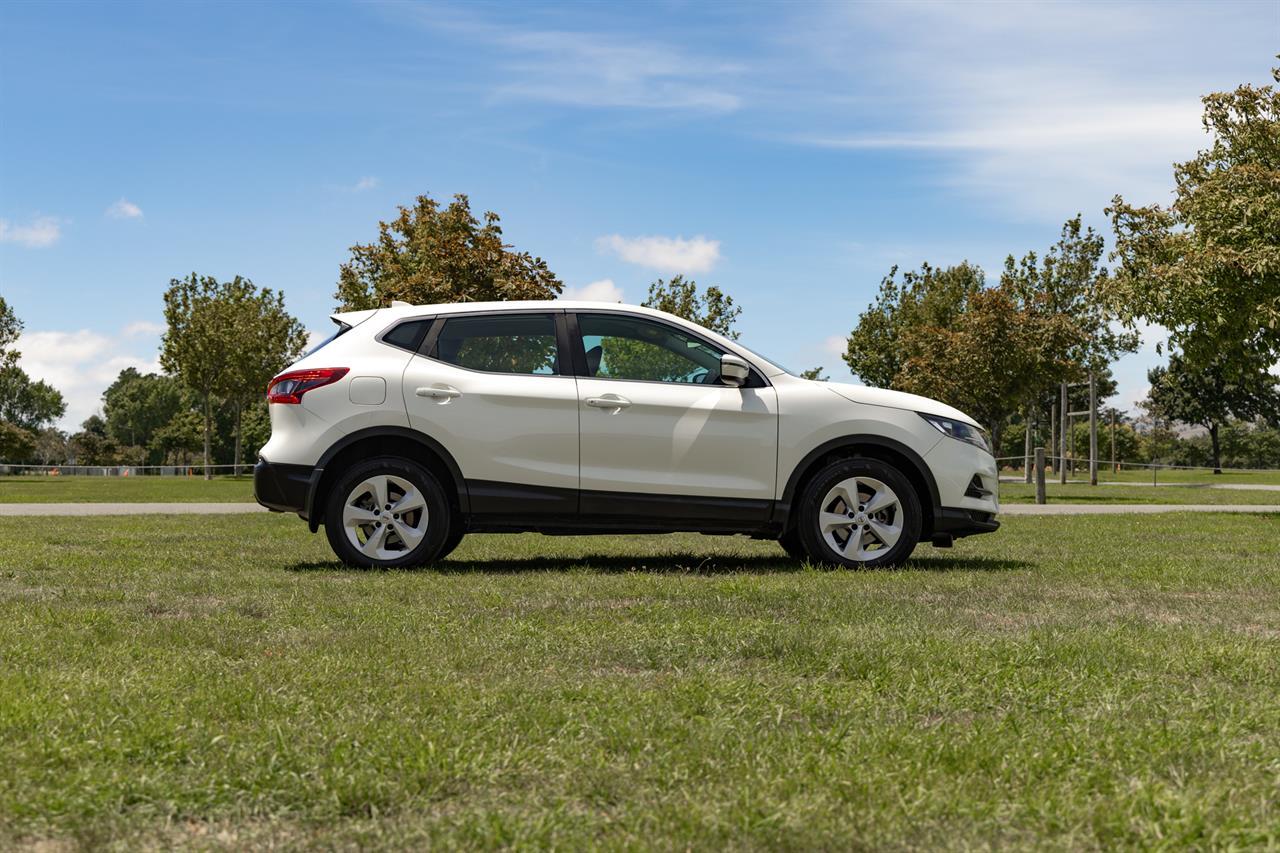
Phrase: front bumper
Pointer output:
(284, 488)
(963, 522)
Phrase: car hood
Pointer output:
(897, 400)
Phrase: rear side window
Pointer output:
(523, 343)
(408, 335)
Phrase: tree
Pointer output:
(180, 437)
(30, 405)
(879, 345)
(92, 445)
(10, 329)
(1208, 266)
(135, 405)
(814, 373)
(429, 254)
(17, 445)
(51, 446)
(713, 309)
(200, 342)
(989, 361)
(268, 338)
(1210, 395)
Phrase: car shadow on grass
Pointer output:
(672, 564)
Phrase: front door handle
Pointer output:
(438, 393)
(610, 401)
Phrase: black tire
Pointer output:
(790, 542)
(436, 526)
(904, 513)
(456, 532)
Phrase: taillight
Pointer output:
(289, 387)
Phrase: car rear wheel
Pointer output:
(387, 513)
(860, 513)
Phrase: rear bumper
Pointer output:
(963, 522)
(284, 488)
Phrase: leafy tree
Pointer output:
(429, 254)
(879, 346)
(51, 446)
(181, 437)
(268, 338)
(17, 445)
(712, 309)
(92, 445)
(30, 405)
(10, 329)
(990, 360)
(814, 373)
(201, 341)
(1208, 266)
(1212, 394)
(135, 405)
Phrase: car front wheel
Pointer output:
(860, 513)
(387, 513)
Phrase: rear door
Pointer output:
(494, 390)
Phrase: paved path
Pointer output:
(1122, 509)
(129, 508)
(239, 508)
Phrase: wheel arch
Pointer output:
(887, 450)
(385, 441)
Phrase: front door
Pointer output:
(661, 435)
(492, 390)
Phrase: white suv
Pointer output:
(414, 425)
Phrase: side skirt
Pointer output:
(510, 507)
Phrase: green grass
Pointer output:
(1088, 682)
(1021, 493)
(45, 489)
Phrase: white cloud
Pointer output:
(143, 327)
(366, 183)
(603, 290)
(124, 209)
(83, 363)
(835, 346)
(42, 232)
(670, 254)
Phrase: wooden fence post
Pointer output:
(1039, 475)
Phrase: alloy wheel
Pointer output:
(385, 517)
(861, 518)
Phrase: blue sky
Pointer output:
(789, 153)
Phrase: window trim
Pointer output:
(427, 323)
(427, 349)
(756, 379)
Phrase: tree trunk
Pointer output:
(995, 441)
(236, 469)
(1026, 444)
(208, 436)
(1217, 450)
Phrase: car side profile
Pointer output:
(414, 425)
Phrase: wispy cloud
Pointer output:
(588, 68)
(603, 290)
(143, 327)
(366, 183)
(669, 254)
(40, 233)
(124, 209)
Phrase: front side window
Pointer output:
(522, 343)
(621, 347)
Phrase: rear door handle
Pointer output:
(444, 393)
(611, 401)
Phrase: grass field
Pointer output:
(43, 489)
(1203, 476)
(1087, 682)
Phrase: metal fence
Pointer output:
(196, 470)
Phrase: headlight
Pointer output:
(959, 430)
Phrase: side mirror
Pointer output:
(734, 370)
